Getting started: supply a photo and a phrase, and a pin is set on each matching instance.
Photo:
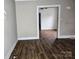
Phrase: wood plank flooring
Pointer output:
(49, 34)
(44, 49)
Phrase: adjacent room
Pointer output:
(39, 29)
(48, 21)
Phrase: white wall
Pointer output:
(10, 36)
(49, 18)
(27, 17)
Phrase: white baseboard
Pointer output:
(67, 36)
(28, 38)
(10, 51)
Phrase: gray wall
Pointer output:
(27, 22)
(10, 36)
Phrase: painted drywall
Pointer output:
(26, 21)
(49, 18)
(10, 30)
(27, 17)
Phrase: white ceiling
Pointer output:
(25, 0)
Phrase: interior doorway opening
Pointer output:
(48, 21)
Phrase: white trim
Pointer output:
(58, 17)
(42, 6)
(10, 51)
(67, 36)
(37, 22)
(59, 21)
(28, 38)
(48, 28)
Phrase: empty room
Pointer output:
(39, 29)
(48, 21)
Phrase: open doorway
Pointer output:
(48, 21)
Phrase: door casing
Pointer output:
(48, 6)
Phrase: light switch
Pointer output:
(68, 7)
(5, 12)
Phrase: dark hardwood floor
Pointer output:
(49, 34)
(44, 49)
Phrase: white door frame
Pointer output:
(58, 18)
